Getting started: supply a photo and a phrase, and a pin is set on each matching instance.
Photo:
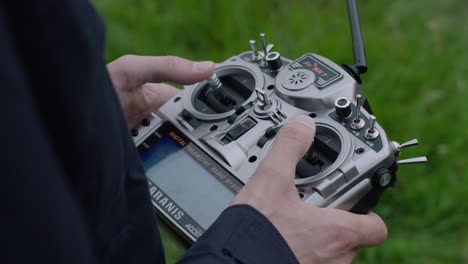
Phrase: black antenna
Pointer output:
(359, 52)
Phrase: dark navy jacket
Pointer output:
(72, 186)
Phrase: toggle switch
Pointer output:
(264, 62)
(264, 44)
(358, 122)
(371, 132)
(256, 56)
(215, 91)
(263, 101)
(397, 146)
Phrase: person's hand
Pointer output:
(315, 235)
(139, 81)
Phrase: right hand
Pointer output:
(315, 235)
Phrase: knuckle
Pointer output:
(119, 71)
(342, 239)
(126, 58)
(170, 61)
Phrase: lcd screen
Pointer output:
(189, 177)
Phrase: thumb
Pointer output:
(291, 144)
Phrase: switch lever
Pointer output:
(397, 146)
(411, 143)
(413, 160)
(358, 106)
(256, 56)
(263, 101)
(266, 49)
(358, 122)
(371, 132)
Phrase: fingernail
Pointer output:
(305, 120)
(202, 66)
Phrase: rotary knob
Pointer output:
(274, 61)
(343, 108)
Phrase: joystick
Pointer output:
(217, 93)
(216, 133)
(214, 81)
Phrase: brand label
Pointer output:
(164, 203)
(324, 74)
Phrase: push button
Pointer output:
(238, 130)
(191, 120)
(146, 122)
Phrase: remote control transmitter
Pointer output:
(204, 144)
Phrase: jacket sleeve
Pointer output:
(240, 235)
(40, 219)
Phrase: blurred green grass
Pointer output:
(417, 83)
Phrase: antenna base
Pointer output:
(353, 71)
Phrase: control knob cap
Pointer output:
(343, 107)
(274, 61)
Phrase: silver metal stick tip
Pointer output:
(358, 106)
(372, 123)
(358, 98)
(264, 44)
(214, 81)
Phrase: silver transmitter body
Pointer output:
(233, 117)
(204, 144)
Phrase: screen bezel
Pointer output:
(177, 217)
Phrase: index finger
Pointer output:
(138, 70)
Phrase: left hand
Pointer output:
(139, 81)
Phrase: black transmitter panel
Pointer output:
(375, 144)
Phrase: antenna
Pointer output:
(359, 52)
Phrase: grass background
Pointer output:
(417, 83)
